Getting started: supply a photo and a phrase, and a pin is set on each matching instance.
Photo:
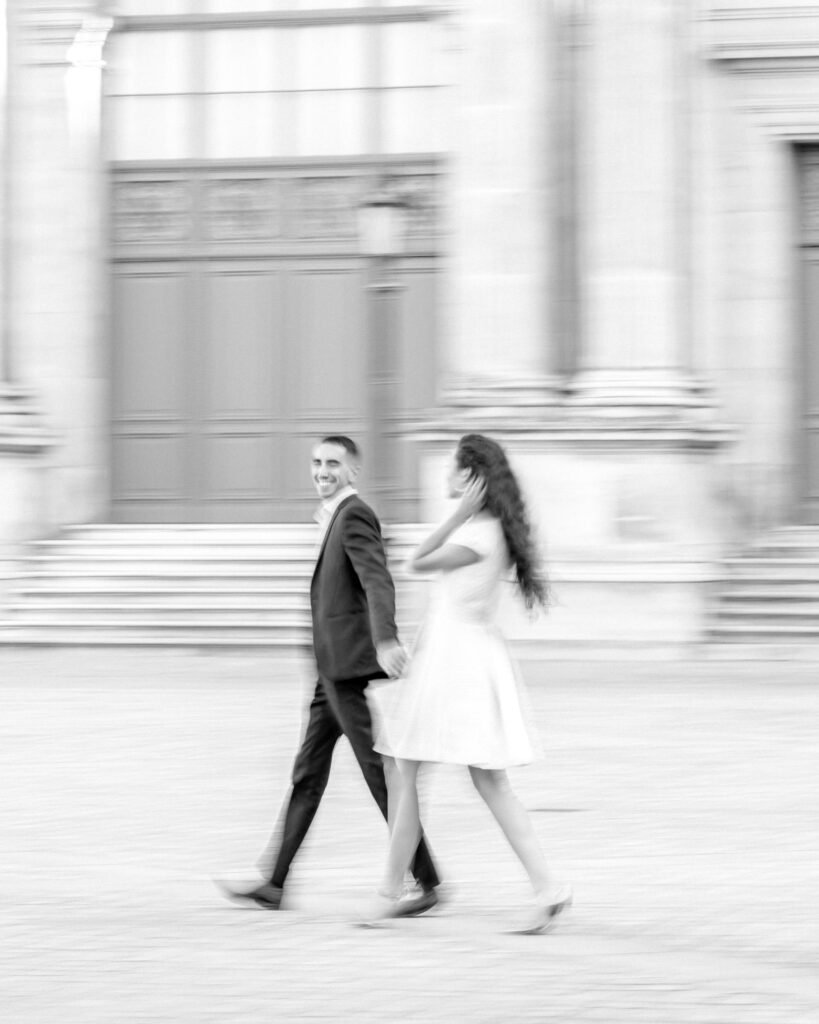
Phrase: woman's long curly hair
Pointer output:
(484, 458)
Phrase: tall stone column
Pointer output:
(23, 438)
(499, 244)
(57, 291)
(634, 153)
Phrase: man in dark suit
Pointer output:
(355, 639)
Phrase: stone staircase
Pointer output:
(248, 586)
(176, 585)
(770, 594)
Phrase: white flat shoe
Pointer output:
(378, 912)
(547, 912)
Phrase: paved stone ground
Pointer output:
(680, 799)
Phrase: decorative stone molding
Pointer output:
(242, 208)
(618, 392)
(152, 211)
(422, 194)
(21, 423)
(776, 42)
(264, 205)
(45, 32)
(531, 392)
(577, 428)
(762, 32)
(326, 207)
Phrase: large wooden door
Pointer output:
(809, 370)
(240, 339)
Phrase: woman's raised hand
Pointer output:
(473, 497)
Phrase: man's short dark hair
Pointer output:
(347, 443)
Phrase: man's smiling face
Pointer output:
(333, 469)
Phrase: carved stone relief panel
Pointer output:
(422, 194)
(265, 207)
(152, 211)
(326, 207)
(242, 208)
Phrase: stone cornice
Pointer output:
(45, 32)
(576, 428)
(757, 33)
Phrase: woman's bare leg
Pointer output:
(493, 786)
(406, 827)
(392, 777)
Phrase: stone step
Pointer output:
(787, 536)
(152, 622)
(750, 619)
(210, 585)
(168, 569)
(267, 549)
(115, 636)
(273, 563)
(93, 551)
(154, 617)
(185, 535)
(83, 589)
(174, 556)
(773, 570)
(248, 581)
(770, 590)
(765, 604)
(742, 649)
(726, 631)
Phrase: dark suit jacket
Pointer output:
(352, 595)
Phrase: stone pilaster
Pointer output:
(634, 207)
(497, 311)
(55, 239)
(24, 439)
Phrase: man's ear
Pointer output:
(355, 469)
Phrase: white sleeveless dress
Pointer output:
(462, 700)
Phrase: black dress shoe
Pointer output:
(266, 895)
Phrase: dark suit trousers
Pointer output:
(337, 709)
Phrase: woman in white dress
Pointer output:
(462, 701)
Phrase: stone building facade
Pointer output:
(611, 267)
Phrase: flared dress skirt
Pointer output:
(461, 702)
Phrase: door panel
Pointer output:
(810, 396)
(148, 376)
(243, 342)
(237, 390)
(326, 372)
(323, 369)
(152, 414)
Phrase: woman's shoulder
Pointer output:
(481, 533)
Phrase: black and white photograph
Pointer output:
(409, 511)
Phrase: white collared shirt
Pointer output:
(324, 513)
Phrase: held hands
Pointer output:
(392, 658)
(472, 499)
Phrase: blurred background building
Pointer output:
(609, 262)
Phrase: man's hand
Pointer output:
(392, 658)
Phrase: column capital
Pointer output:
(46, 34)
